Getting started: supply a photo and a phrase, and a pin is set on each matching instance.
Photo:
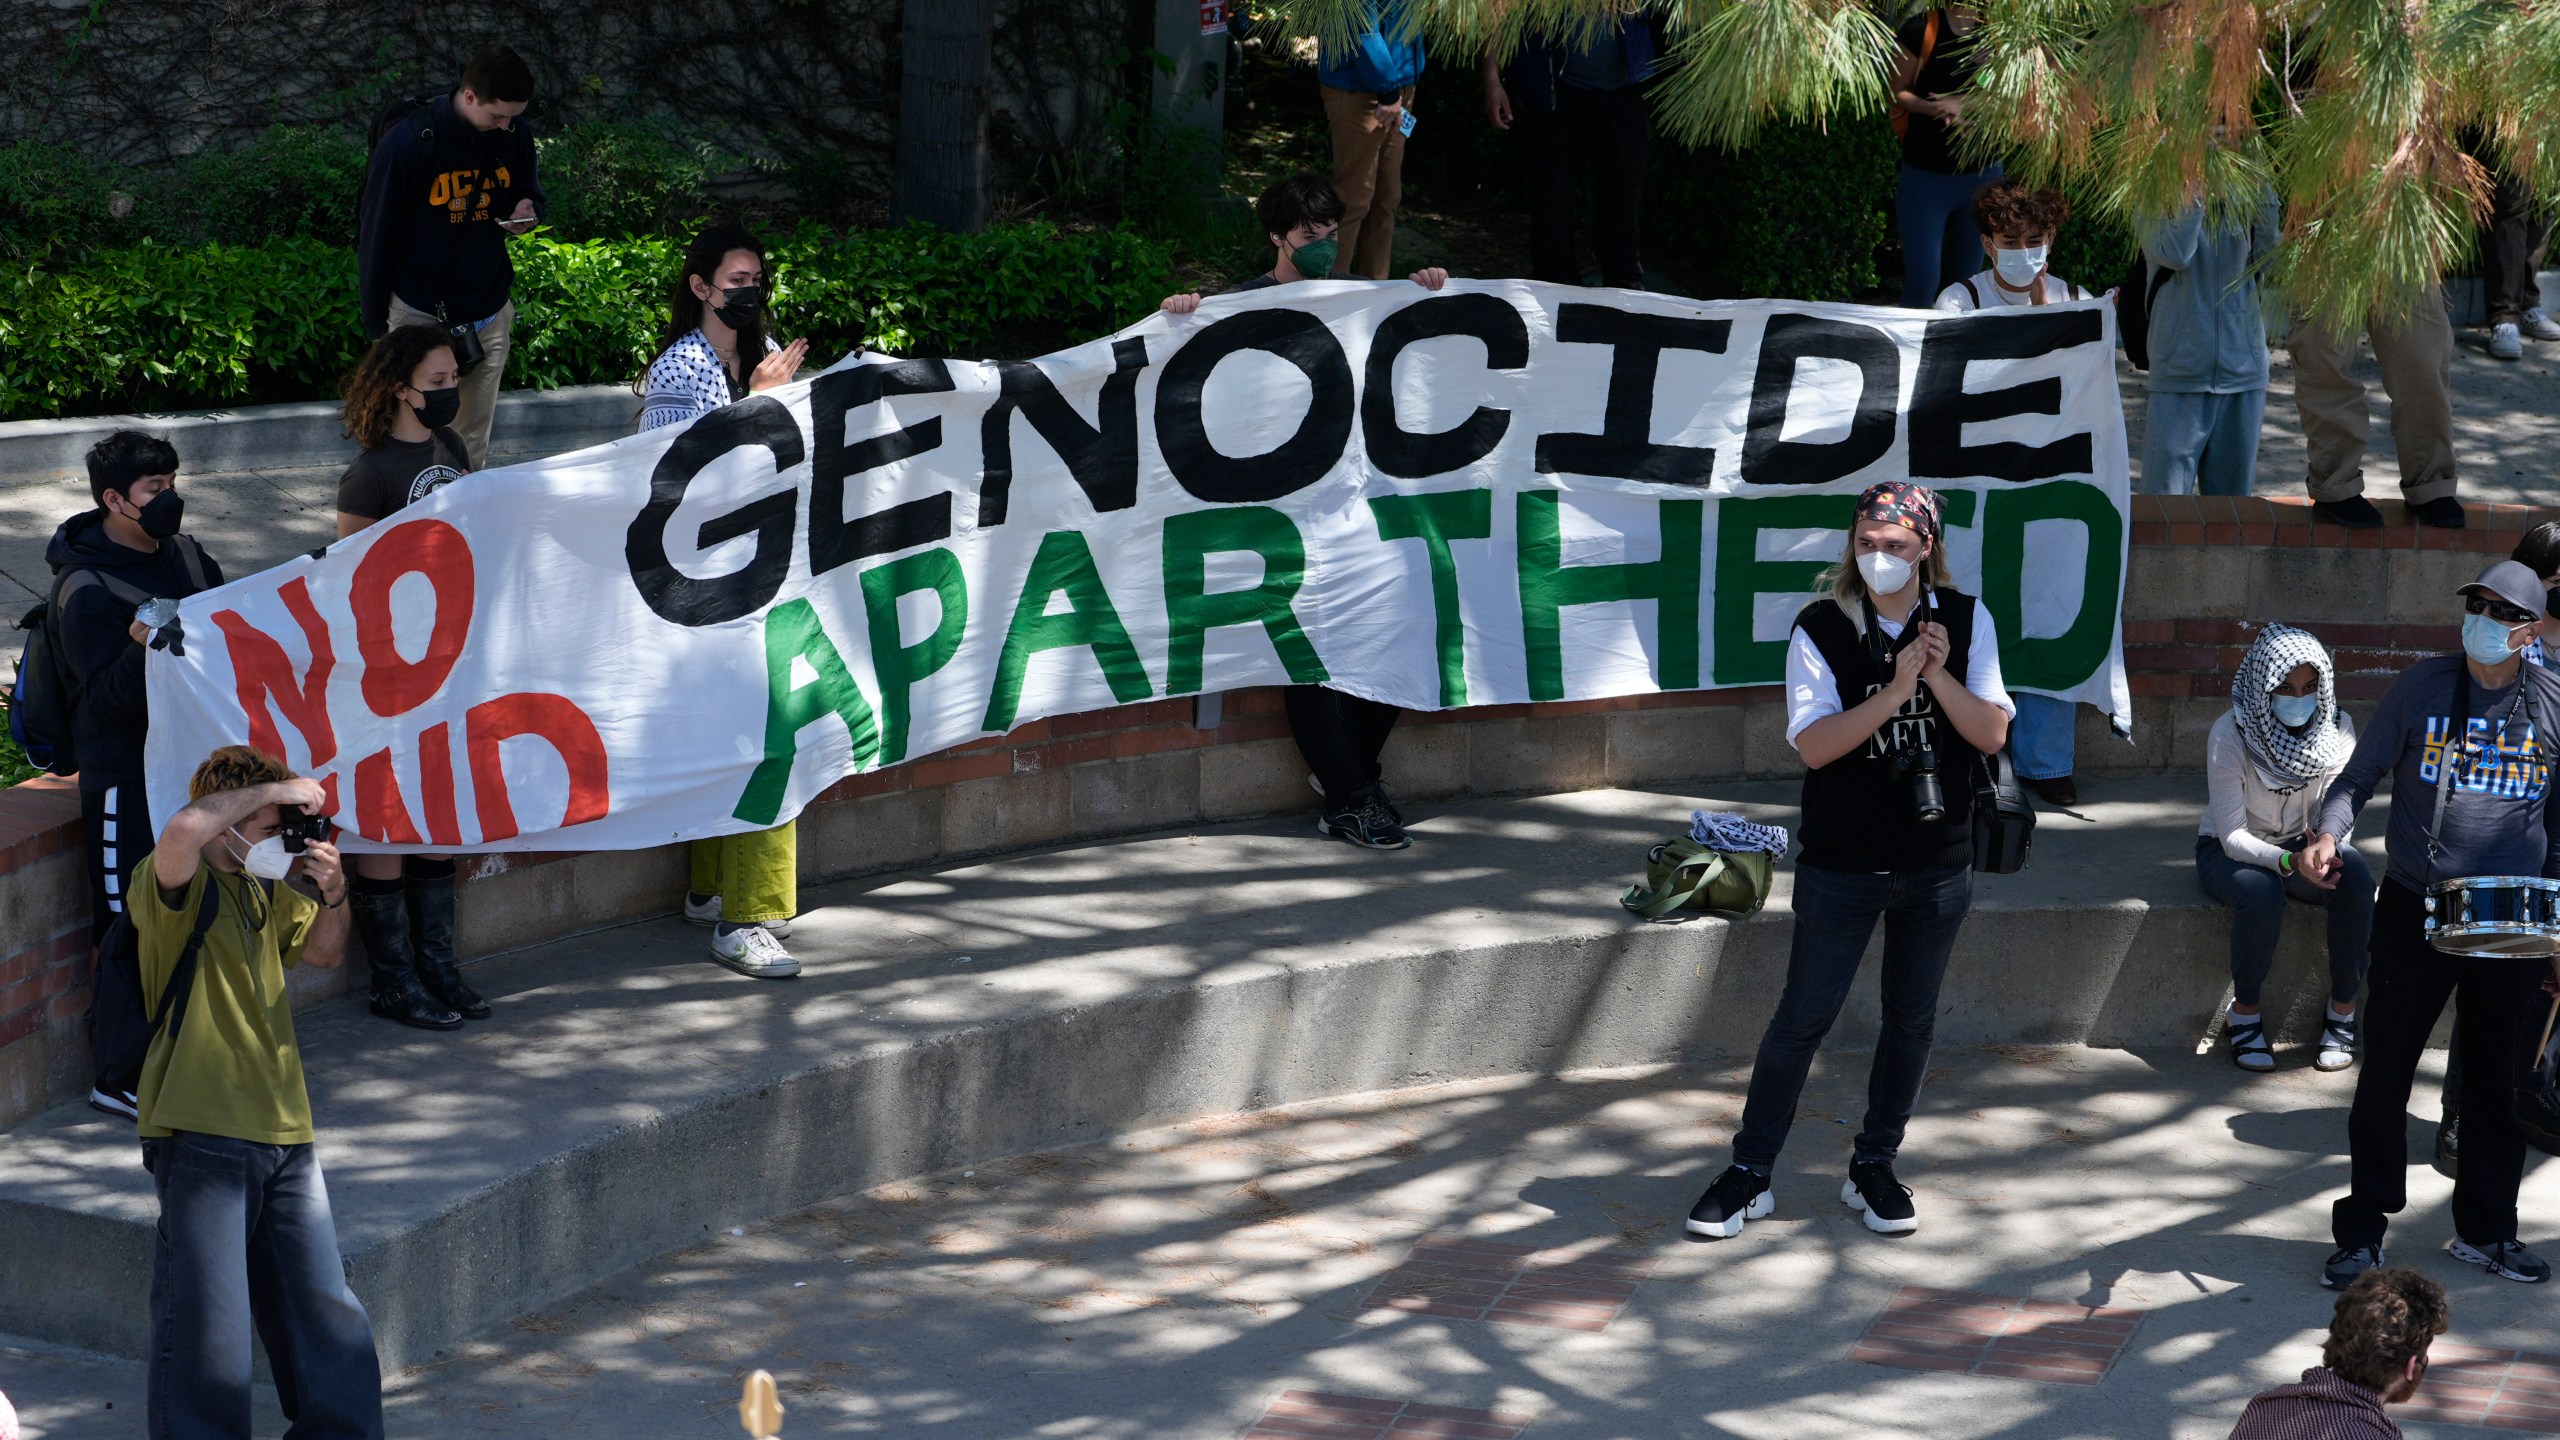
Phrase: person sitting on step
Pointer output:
(2268, 761)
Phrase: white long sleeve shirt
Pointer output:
(2243, 811)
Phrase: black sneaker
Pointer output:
(2448, 1160)
(115, 1102)
(2507, 1259)
(2443, 512)
(2355, 512)
(2348, 1263)
(1369, 823)
(1737, 1195)
(1887, 1202)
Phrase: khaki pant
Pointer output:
(480, 387)
(756, 875)
(1368, 172)
(2416, 354)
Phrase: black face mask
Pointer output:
(442, 405)
(739, 307)
(162, 516)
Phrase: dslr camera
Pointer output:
(299, 827)
(1917, 763)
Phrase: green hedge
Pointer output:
(174, 327)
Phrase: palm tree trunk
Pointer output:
(945, 47)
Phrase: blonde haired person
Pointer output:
(2268, 761)
(1893, 676)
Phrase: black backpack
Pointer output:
(398, 110)
(2134, 296)
(121, 1026)
(45, 694)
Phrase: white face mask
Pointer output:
(268, 859)
(2017, 267)
(1885, 574)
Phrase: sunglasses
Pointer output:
(2497, 610)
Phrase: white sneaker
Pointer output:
(2538, 326)
(107, 1102)
(752, 950)
(707, 912)
(2505, 343)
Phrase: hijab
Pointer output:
(2291, 759)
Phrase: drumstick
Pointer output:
(2546, 1030)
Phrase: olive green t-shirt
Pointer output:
(233, 1068)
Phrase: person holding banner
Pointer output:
(399, 409)
(1340, 735)
(2468, 807)
(745, 887)
(1894, 696)
(2019, 224)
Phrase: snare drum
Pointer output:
(2513, 917)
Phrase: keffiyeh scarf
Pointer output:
(2291, 759)
(1725, 830)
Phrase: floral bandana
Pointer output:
(2290, 760)
(1914, 507)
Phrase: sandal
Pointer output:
(2249, 1048)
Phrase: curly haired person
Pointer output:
(2376, 1355)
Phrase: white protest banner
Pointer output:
(1501, 492)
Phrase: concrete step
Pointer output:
(632, 1097)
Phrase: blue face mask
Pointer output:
(2293, 711)
(2484, 638)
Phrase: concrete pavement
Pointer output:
(1178, 1282)
(630, 1095)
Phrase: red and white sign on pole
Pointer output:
(1213, 17)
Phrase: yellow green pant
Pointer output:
(756, 875)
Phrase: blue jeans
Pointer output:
(2042, 740)
(1941, 245)
(2256, 897)
(1836, 913)
(2201, 443)
(245, 1239)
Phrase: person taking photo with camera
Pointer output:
(1893, 696)
(243, 885)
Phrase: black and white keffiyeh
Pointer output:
(1727, 830)
(2291, 758)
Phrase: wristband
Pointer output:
(2284, 862)
(328, 904)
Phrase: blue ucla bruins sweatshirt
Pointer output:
(427, 230)
(2498, 819)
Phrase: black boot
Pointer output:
(382, 919)
(430, 882)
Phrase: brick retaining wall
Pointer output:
(2205, 574)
